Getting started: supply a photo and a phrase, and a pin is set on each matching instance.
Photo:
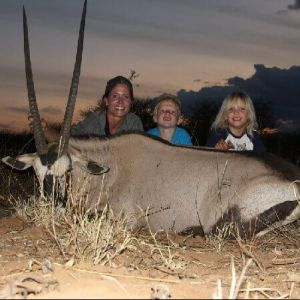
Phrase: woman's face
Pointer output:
(118, 101)
(238, 115)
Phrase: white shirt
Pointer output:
(242, 143)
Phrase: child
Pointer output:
(235, 124)
(167, 116)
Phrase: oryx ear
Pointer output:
(21, 162)
(91, 166)
(95, 168)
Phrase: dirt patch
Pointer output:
(27, 249)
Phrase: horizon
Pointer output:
(173, 46)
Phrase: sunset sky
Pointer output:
(171, 44)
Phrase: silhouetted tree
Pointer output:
(264, 114)
(144, 109)
(201, 121)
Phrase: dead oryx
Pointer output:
(178, 188)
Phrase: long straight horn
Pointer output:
(65, 130)
(39, 137)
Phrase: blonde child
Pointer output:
(235, 125)
(167, 116)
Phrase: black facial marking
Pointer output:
(248, 229)
(264, 220)
(48, 185)
(194, 231)
(49, 189)
(50, 157)
(19, 165)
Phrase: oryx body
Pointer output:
(188, 187)
(181, 188)
(178, 188)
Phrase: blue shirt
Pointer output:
(180, 136)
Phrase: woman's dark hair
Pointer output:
(118, 80)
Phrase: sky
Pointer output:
(186, 46)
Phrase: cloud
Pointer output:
(16, 109)
(51, 110)
(4, 127)
(295, 6)
(278, 88)
(287, 125)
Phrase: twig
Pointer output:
(294, 277)
(233, 280)
(218, 294)
(241, 278)
(123, 276)
(116, 281)
(166, 271)
(291, 290)
(247, 291)
(286, 261)
(264, 290)
(251, 255)
(14, 274)
(20, 288)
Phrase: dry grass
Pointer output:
(102, 238)
(97, 237)
(219, 239)
(240, 287)
(79, 235)
(165, 252)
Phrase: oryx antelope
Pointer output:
(178, 188)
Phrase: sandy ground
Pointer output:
(32, 267)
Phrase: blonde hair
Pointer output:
(231, 101)
(167, 97)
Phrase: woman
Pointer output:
(114, 118)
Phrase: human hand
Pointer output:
(222, 145)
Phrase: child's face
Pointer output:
(167, 115)
(237, 116)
